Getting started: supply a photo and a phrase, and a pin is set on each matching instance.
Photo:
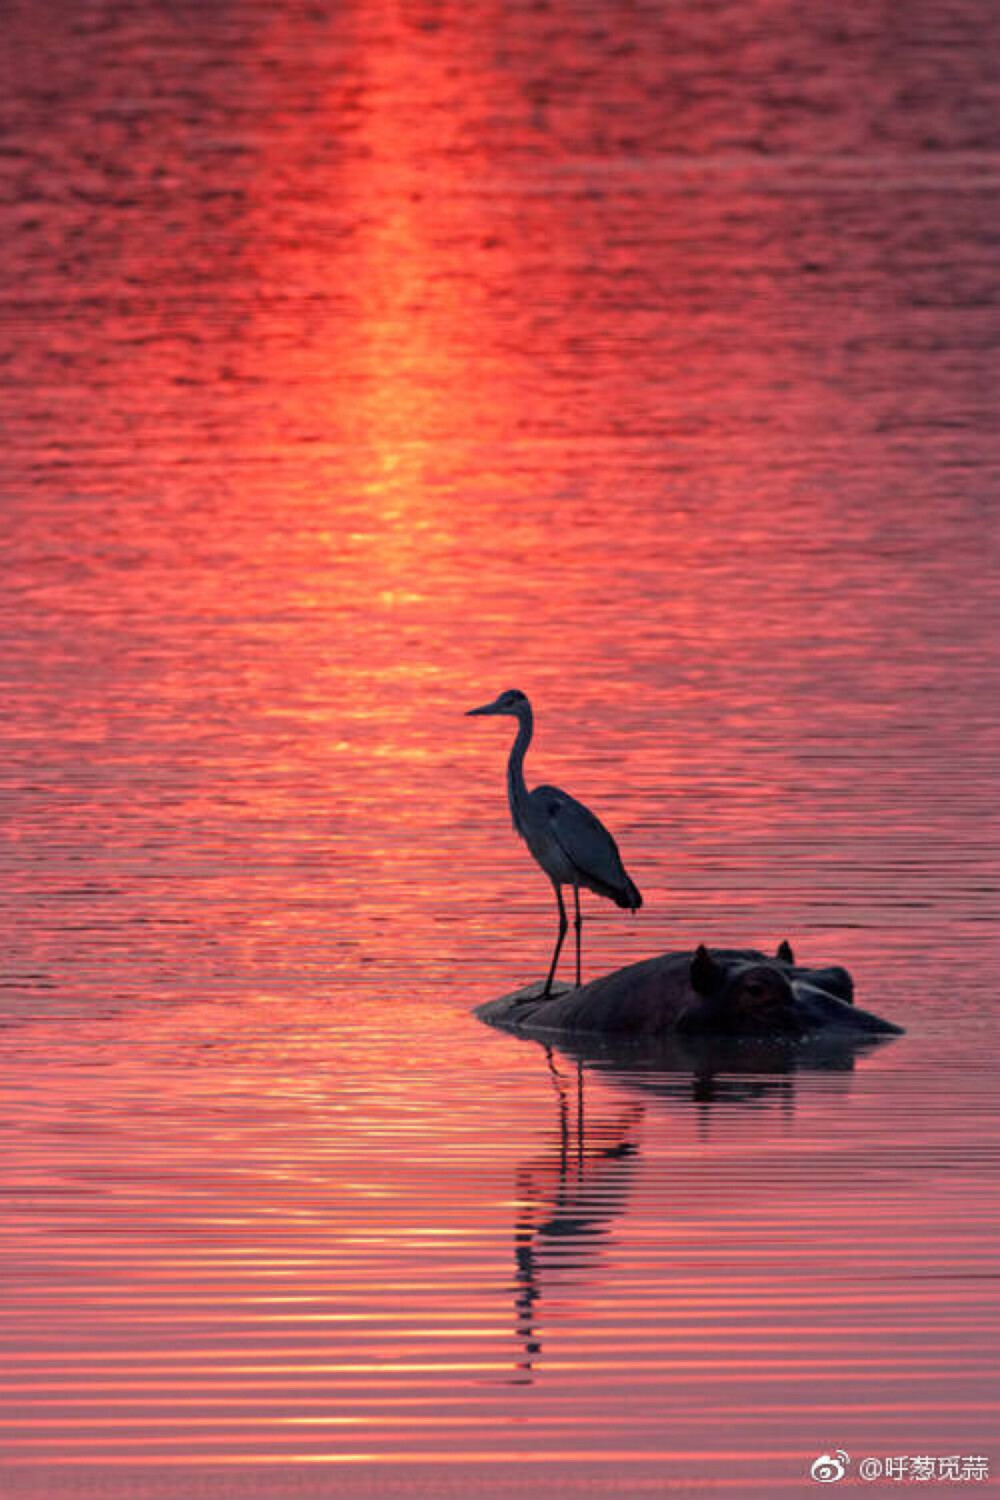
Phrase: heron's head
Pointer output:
(512, 702)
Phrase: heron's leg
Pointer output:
(578, 924)
(563, 924)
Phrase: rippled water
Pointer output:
(357, 363)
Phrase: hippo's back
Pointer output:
(644, 999)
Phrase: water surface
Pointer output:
(356, 365)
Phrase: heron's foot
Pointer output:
(535, 994)
(531, 995)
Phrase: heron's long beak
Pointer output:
(487, 708)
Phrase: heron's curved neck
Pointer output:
(517, 790)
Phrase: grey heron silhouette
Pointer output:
(572, 846)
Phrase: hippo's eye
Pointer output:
(760, 993)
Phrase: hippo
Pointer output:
(724, 992)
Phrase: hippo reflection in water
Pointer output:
(717, 992)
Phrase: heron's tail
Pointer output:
(628, 896)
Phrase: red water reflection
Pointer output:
(365, 364)
(263, 1241)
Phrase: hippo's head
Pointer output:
(747, 994)
(733, 994)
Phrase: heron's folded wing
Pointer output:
(583, 838)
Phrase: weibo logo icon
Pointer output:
(830, 1467)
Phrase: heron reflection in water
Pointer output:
(568, 1198)
(572, 846)
(571, 1193)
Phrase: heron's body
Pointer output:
(572, 846)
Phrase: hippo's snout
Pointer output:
(864, 1020)
(822, 1009)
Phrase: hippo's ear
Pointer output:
(784, 953)
(706, 974)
